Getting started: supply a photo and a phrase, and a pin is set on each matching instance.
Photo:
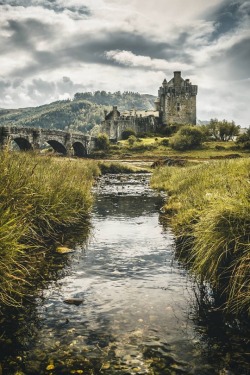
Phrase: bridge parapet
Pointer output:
(63, 142)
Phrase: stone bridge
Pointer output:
(65, 143)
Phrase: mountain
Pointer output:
(79, 114)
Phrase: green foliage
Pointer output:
(222, 130)
(39, 196)
(164, 142)
(63, 115)
(124, 101)
(244, 140)
(102, 142)
(117, 168)
(82, 113)
(219, 147)
(169, 130)
(142, 147)
(131, 140)
(127, 133)
(210, 211)
(188, 137)
(206, 132)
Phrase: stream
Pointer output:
(121, 304)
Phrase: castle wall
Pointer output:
(177, 101)
(114, 127)
(176, 104)
(114, 124)
(180, 110)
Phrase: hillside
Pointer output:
(80, 114)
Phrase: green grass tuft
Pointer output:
(116, 168)
(39, 197)
(209, 205)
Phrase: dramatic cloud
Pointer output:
(127, 58)
(54, 5)
(54, 48)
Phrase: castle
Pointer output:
(176, 104)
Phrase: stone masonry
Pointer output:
(176, 104)
(176, 101)
(65, 143)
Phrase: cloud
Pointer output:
(57, 6)
(129, 59)
(51, 49)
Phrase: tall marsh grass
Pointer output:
(209, 209)
(39, 197)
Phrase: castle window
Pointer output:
(178, 107)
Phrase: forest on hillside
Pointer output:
(82, 113)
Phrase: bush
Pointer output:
(244, 140)
(169, 130)
(218, 147)
(187, 138)
(127, 133)
(131, 140)
(164, 142)
(246, 145)
(102, 142)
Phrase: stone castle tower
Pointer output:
(176, 101)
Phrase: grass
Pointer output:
(40, 196)
(154, 149)
(116, 168)
(209, 209)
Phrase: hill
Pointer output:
(82, 113)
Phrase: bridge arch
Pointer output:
(57, 146)
(23, 143)
(79, 149)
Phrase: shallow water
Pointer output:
(136, 302)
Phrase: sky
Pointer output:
(51, 49)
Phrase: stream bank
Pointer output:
(138, 312)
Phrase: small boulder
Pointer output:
(73, 301)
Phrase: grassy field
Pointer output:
(209, 210)
(208, 205)
(155, 148)
(39, 198)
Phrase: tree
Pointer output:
(223, 130)
(244, 139)
(188, 137)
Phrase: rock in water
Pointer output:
(73, 301)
